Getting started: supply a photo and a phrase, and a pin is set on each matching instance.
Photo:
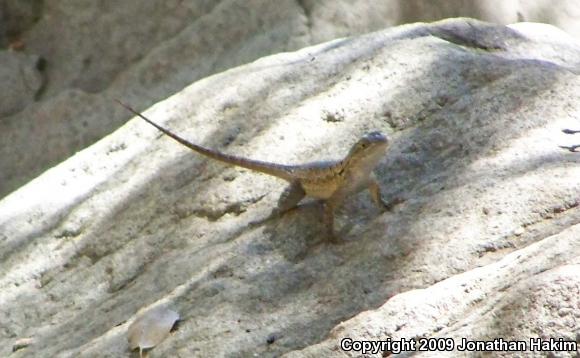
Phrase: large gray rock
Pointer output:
(485, 240)
(529, 294)
(93, 51)
(563, 13)
(20, 81)
(16, 17)
(141, 52)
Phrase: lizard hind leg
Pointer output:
(290, 197)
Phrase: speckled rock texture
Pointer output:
(142, 51)
(485, 245)
(79, 55)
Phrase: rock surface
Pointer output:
(20, 81)
(93, 51)
(485, 245)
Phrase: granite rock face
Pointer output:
(20, 81)
(89, 52)
(142, 52)
(484, 246)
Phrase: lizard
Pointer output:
(329, 181)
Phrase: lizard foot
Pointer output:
(388, 206)
(334, 239)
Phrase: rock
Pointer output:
(563, 13)
(20, 81)
(141, 53)
(17, 16)
(475, 113)
(484, 304)
(145, 52)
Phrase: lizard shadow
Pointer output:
(294, 232)
(299, 231)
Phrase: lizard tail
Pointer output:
(277, 170)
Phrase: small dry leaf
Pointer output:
(151, 328)
(22, 343)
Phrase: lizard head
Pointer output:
(368, 150)
(369, 144)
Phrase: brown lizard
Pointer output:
(330, 181)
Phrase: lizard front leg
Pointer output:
(375, 191)
(290, 197)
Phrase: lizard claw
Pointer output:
(388, 206)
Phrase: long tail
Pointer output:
(277, 170)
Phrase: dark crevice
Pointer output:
(551, 221)
(41, 65)
(487, 37)
(463, 41)
(307, 11)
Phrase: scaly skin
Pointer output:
(330, 181)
